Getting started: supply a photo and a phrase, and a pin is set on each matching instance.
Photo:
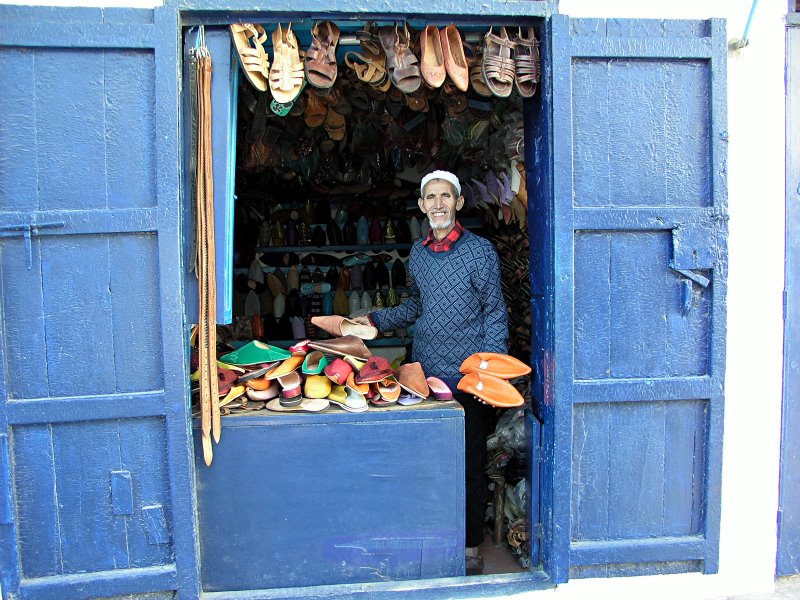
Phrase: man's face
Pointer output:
(440, 203)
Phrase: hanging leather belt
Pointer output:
(204, 200)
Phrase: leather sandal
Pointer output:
(403, 65)
(249, 38)
(369, 67)
(335, 125)
(498, 66)
(287, 76)
(368, 38)
(455, 60)
(476, 75)
(316, 111)
(527, 64)
(320, 61)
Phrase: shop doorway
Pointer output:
(334, 177)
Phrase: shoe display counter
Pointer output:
(334, 497)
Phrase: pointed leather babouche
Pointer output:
(492, 390)
(339, 326)
(348, 345)
(454, 58)
(432, 57)
(412, 379)
(255, 353)
(499, 365)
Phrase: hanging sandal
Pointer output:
(403, 65)
(320, 67)
(287, 76)
(249, 38)
(527, 63)
(368, 67)
(476, 75)
(498, 66)
(368, 39)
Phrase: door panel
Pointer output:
(640, 237)
(628, 110)
(93, 389)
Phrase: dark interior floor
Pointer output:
(498, 559)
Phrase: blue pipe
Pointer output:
(745, 39)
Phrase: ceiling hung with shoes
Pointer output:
(337, 124)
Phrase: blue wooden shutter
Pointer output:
(97, 484)
(639, 269)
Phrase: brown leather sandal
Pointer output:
(476, 75)
(368, 38)
(320, 67)
(368, 67)
(316, 110)
(287, 76)
(527, 63)
(403, 65)
(249, 38)
(335, 125)
(498, 66)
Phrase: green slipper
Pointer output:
(255, 353)
(314, 362)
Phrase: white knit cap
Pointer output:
(446, 175)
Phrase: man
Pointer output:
(457, 304)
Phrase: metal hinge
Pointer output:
(26, 230)
(539, 532)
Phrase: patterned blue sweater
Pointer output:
(457, 304)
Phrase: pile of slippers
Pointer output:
(487, 375)
(313, 375)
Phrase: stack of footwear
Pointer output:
(486, 376)
(312, 375)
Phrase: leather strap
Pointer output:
(207, 330)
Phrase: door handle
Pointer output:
(689, 279)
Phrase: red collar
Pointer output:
(447, 242)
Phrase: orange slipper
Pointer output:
(286, 367)
(493, 363)
(492, 390)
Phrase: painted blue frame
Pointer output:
(788, 555)
(508, 12)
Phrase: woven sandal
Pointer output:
(498, 66)
(403, 65)
(249, 38)
(527, 63)
(320, 67)
(287, 76)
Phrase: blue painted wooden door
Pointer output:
(638, 275)
(96, 483)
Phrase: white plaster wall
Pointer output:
(756, 170)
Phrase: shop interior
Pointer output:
(326, 187)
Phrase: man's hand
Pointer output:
(362, 320)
